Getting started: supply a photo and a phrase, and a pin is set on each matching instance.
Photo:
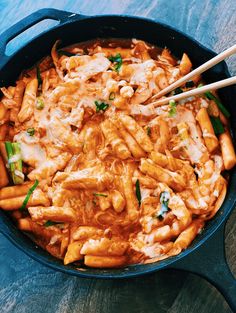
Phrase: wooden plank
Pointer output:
(199, 296)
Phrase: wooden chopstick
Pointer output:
(220, 57)
(196, 91)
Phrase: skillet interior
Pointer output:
(118, 27)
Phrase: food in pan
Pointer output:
(97, 175)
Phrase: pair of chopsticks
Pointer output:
(220, 84)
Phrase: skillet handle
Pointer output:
(30, 20)
(209, 262)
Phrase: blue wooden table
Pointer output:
(28, 287)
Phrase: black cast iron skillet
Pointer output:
(206, 255)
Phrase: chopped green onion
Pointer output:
(148, 131)
(223, 109)
(50, 223)
(8, 146)
(117, 60)
(39, 78)
(189, 84)
(15, 162)
(29, 193)
(217, 125)
(172, 111)
(178, 91)
(100, 194)
(66, 53)
(39, 104)
(210, 96)
(138, 192)
(14, 158)
(112, 96)
(101, 106)
(30, 131)
(164, 200)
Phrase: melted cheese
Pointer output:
(88, 146)
(32, 153)
(91, 66)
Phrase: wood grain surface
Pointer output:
(28, 287)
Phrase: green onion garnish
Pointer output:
(29, 193)
(217, 125)
(15, 162)
(148, 131)
(100, 194)
(39, 104)
(138, 192)
(178, 91)
(112, 96)
(223, 109)
(164, 200)
(50, 223)
(101, 106)
(189, 84)
(30, 131)
(172, 111)
(39, 78)
(117, 60)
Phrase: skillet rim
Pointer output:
(221, 217)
